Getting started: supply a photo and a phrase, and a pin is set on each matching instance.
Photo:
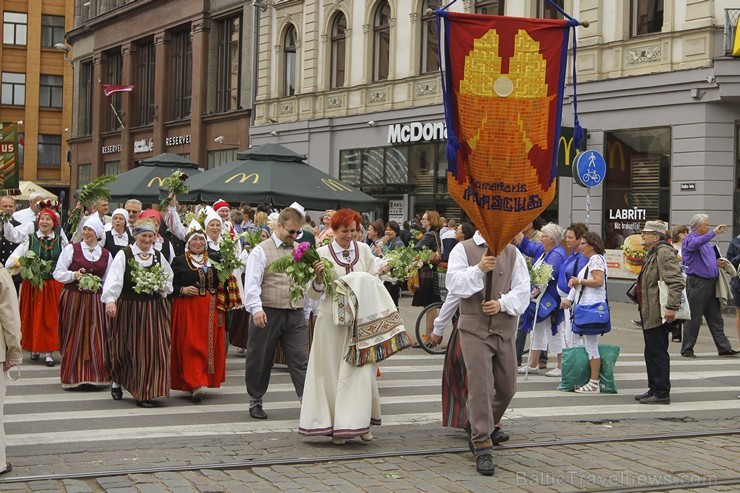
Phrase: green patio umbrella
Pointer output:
(276, 175)
(143, 182)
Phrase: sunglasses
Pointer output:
(133, 212)
(291, 232)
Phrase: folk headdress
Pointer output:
(194, 229)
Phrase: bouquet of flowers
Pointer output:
(398, 261)
(175, 184)
(442, 267)
(299, 268)
(90, 282)
(252, 238)
(92, 192)
(200, 217)
(229, 257)
(33, 268)
(540, 275)
(149, 280)
(325, 241)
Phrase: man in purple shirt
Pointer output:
(702, 269)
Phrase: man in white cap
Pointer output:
(29, 214)
(305, 234)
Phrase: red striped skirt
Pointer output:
(454, 385)
(139, 344)
(83, 335)
(39, 316)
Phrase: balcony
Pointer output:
(87, 9)
(731, 19)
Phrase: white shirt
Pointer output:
(590, 294)
(464, 280)
(22, 249)
(253, 275)
(18, 234)
(120, 239)
(173, 222)
(26, 215)
(62, 272)
(449, 307)
(114, 278)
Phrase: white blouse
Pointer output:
(114, 278)
(22, 249)
(62, 272)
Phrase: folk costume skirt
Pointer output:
(454, 385)
(198, 357)
(83, 333)
(39, 316)
(139, 342)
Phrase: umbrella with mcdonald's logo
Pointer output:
(144, 181)
(273, 174)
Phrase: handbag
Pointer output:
(593, 318)
(632, 292)
(412, 283)
(683, 312)
(437, 257)
(547, 305)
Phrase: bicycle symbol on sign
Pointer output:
(591, 176)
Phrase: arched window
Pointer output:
(289, 62)
(429, 40)
(491, 7)
(381, 42)
(338, 50)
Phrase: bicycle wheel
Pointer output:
(432, 311)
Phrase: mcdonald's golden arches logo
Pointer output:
(160, 182)
(244, 177)
(335, 185)
(616, 149)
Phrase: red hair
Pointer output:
(53, 215)
(343, 218)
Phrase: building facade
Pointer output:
(37, 88)
(355, 86)
(189, 62)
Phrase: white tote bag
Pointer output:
(683, 312)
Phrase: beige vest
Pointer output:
(472, 318)
(276, 287)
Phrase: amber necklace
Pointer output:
(191, 261)
(47, 245)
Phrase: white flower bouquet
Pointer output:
(147, 280)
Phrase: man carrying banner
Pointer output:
(487, 328)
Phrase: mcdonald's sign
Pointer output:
(616, 155)
(567, 151)
(244, 177)
(335, 185)
(160, 182)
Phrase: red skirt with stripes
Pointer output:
(83, 334)
(198, 343)
(139, 344)
(39, 316)
(454, 385)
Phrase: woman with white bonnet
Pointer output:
(118, 236)
(83, 334)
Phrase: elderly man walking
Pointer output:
(702, 270)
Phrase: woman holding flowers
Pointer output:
(118, 237)
(340, 399)
(83, 328)
(198, 356)
(425, 294)
(135, 296)
(549, 256)
(39, 291)
(392, 241)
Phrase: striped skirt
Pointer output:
(139, 345)
(39, 316)
(454, 385)
(83, 336)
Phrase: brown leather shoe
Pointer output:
(8, 468)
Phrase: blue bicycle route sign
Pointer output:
(589, 169)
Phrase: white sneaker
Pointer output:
(367, 437)
(527, 369)
(555, 372)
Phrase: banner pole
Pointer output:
(588, 204)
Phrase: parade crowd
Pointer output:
(148, 301)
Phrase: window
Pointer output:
(50, 91)
(15, 28)
(381, 42)
(14, 88)
(229, 57)
(50, 151)
(114, 76)
(85, 99)
(637, 184)
(546, 11)
(183, 75)
(52, 30)
(145, 85)
(490, 7)
(84, 174)
(289, 60)
(736, 214)
(429, 41)
(338, 51)
(647, 16)
(112, 167)
(217, 158)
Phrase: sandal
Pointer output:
(592, 387)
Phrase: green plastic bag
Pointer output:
(576, 371)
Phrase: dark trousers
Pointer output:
(657, 360)
(394, 290)
(288, 327)
(703, 302)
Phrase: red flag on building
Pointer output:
(110, 89)
(503, 80)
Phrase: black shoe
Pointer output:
(688, 354)
(116, 393)
(49, 361)
(257, 412)
(8, 468)
(729, 352)
(145, 404)
(35, 356)
(499, 436)
(484, 464)
(643, 396)
(654, 399)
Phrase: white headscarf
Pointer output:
(194, 229)
(93, 222)
(122, 212)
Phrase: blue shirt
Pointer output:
(699, 255)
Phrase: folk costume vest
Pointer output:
(46, 249)
(79, 261)
(127, 292)
(276, 287)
